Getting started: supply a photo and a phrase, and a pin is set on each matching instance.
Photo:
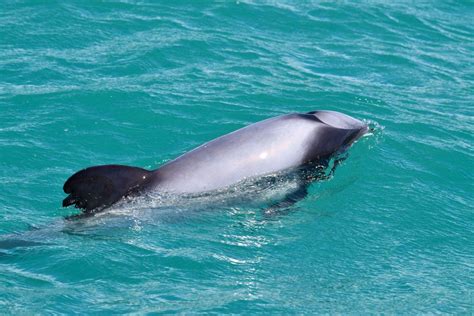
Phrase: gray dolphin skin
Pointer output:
(270, 146)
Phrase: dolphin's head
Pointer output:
(345, 122)
(336, 132)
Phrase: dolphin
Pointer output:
(286, 142)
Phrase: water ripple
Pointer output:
(140, 83)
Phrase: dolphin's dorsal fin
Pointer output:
(95, 188)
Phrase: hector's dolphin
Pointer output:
(270, 146)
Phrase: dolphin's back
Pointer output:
(262, 148)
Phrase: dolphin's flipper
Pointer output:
(283, 207)
(97, 187)
(332, 169)
(323, 170)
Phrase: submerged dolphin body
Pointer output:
(277, 144)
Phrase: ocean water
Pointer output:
(139, 83)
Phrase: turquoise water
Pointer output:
(139, 83)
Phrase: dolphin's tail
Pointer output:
(95, 188)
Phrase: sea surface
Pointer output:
(139, 83)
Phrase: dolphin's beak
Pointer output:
(360, 131)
